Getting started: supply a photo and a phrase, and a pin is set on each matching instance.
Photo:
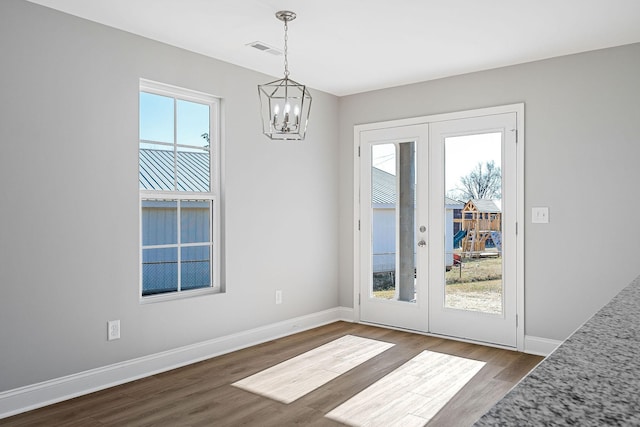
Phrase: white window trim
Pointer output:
(214, 194)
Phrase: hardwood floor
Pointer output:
(202, 395)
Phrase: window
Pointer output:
(179, 177)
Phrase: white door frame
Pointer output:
(511, 108)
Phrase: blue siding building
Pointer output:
(161, 225)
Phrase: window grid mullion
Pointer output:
(175, 144)
(179, 246)
(171, 195)
(183, 245)
(212, 256)
(152, 142)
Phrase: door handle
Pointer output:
(422, 243)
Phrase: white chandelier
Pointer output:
(285, 104)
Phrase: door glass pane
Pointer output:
(473, 223)
(393, 196)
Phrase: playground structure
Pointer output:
(481, 223)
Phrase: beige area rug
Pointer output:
(296, 377)
(411, 395)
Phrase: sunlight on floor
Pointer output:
(411, 395)
(302, 374)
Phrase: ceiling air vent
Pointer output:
(265, 48)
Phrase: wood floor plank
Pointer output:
(202, 395)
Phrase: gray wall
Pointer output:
(582, 122)
(69, 200)
(69, 193)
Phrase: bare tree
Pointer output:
(483, 182)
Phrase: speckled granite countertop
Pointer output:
(592, 379)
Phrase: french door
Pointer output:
(394, 208)
(438, 249)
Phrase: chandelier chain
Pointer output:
(286, 39)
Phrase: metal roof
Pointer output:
(485, 205)
(383, 186)
(156, 171)
(384, 190)
(450, 201)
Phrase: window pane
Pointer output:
(195, 218)
(196, 267)
(159, 271)
(156, 167)
(159, 222)
(192, 124)
(193, 170)
(174, 159)
(156, 117)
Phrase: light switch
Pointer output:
(540, 215)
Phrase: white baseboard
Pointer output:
(540, 346)
(34, 396)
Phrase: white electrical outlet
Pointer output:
(113, 330)
(278, 297)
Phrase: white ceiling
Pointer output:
(350, 46)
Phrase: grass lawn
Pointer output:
(477, 286)
(386, 294)
(475, 270)
(486, 286)
(491, 286)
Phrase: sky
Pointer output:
(462, 155)
(156, 120)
